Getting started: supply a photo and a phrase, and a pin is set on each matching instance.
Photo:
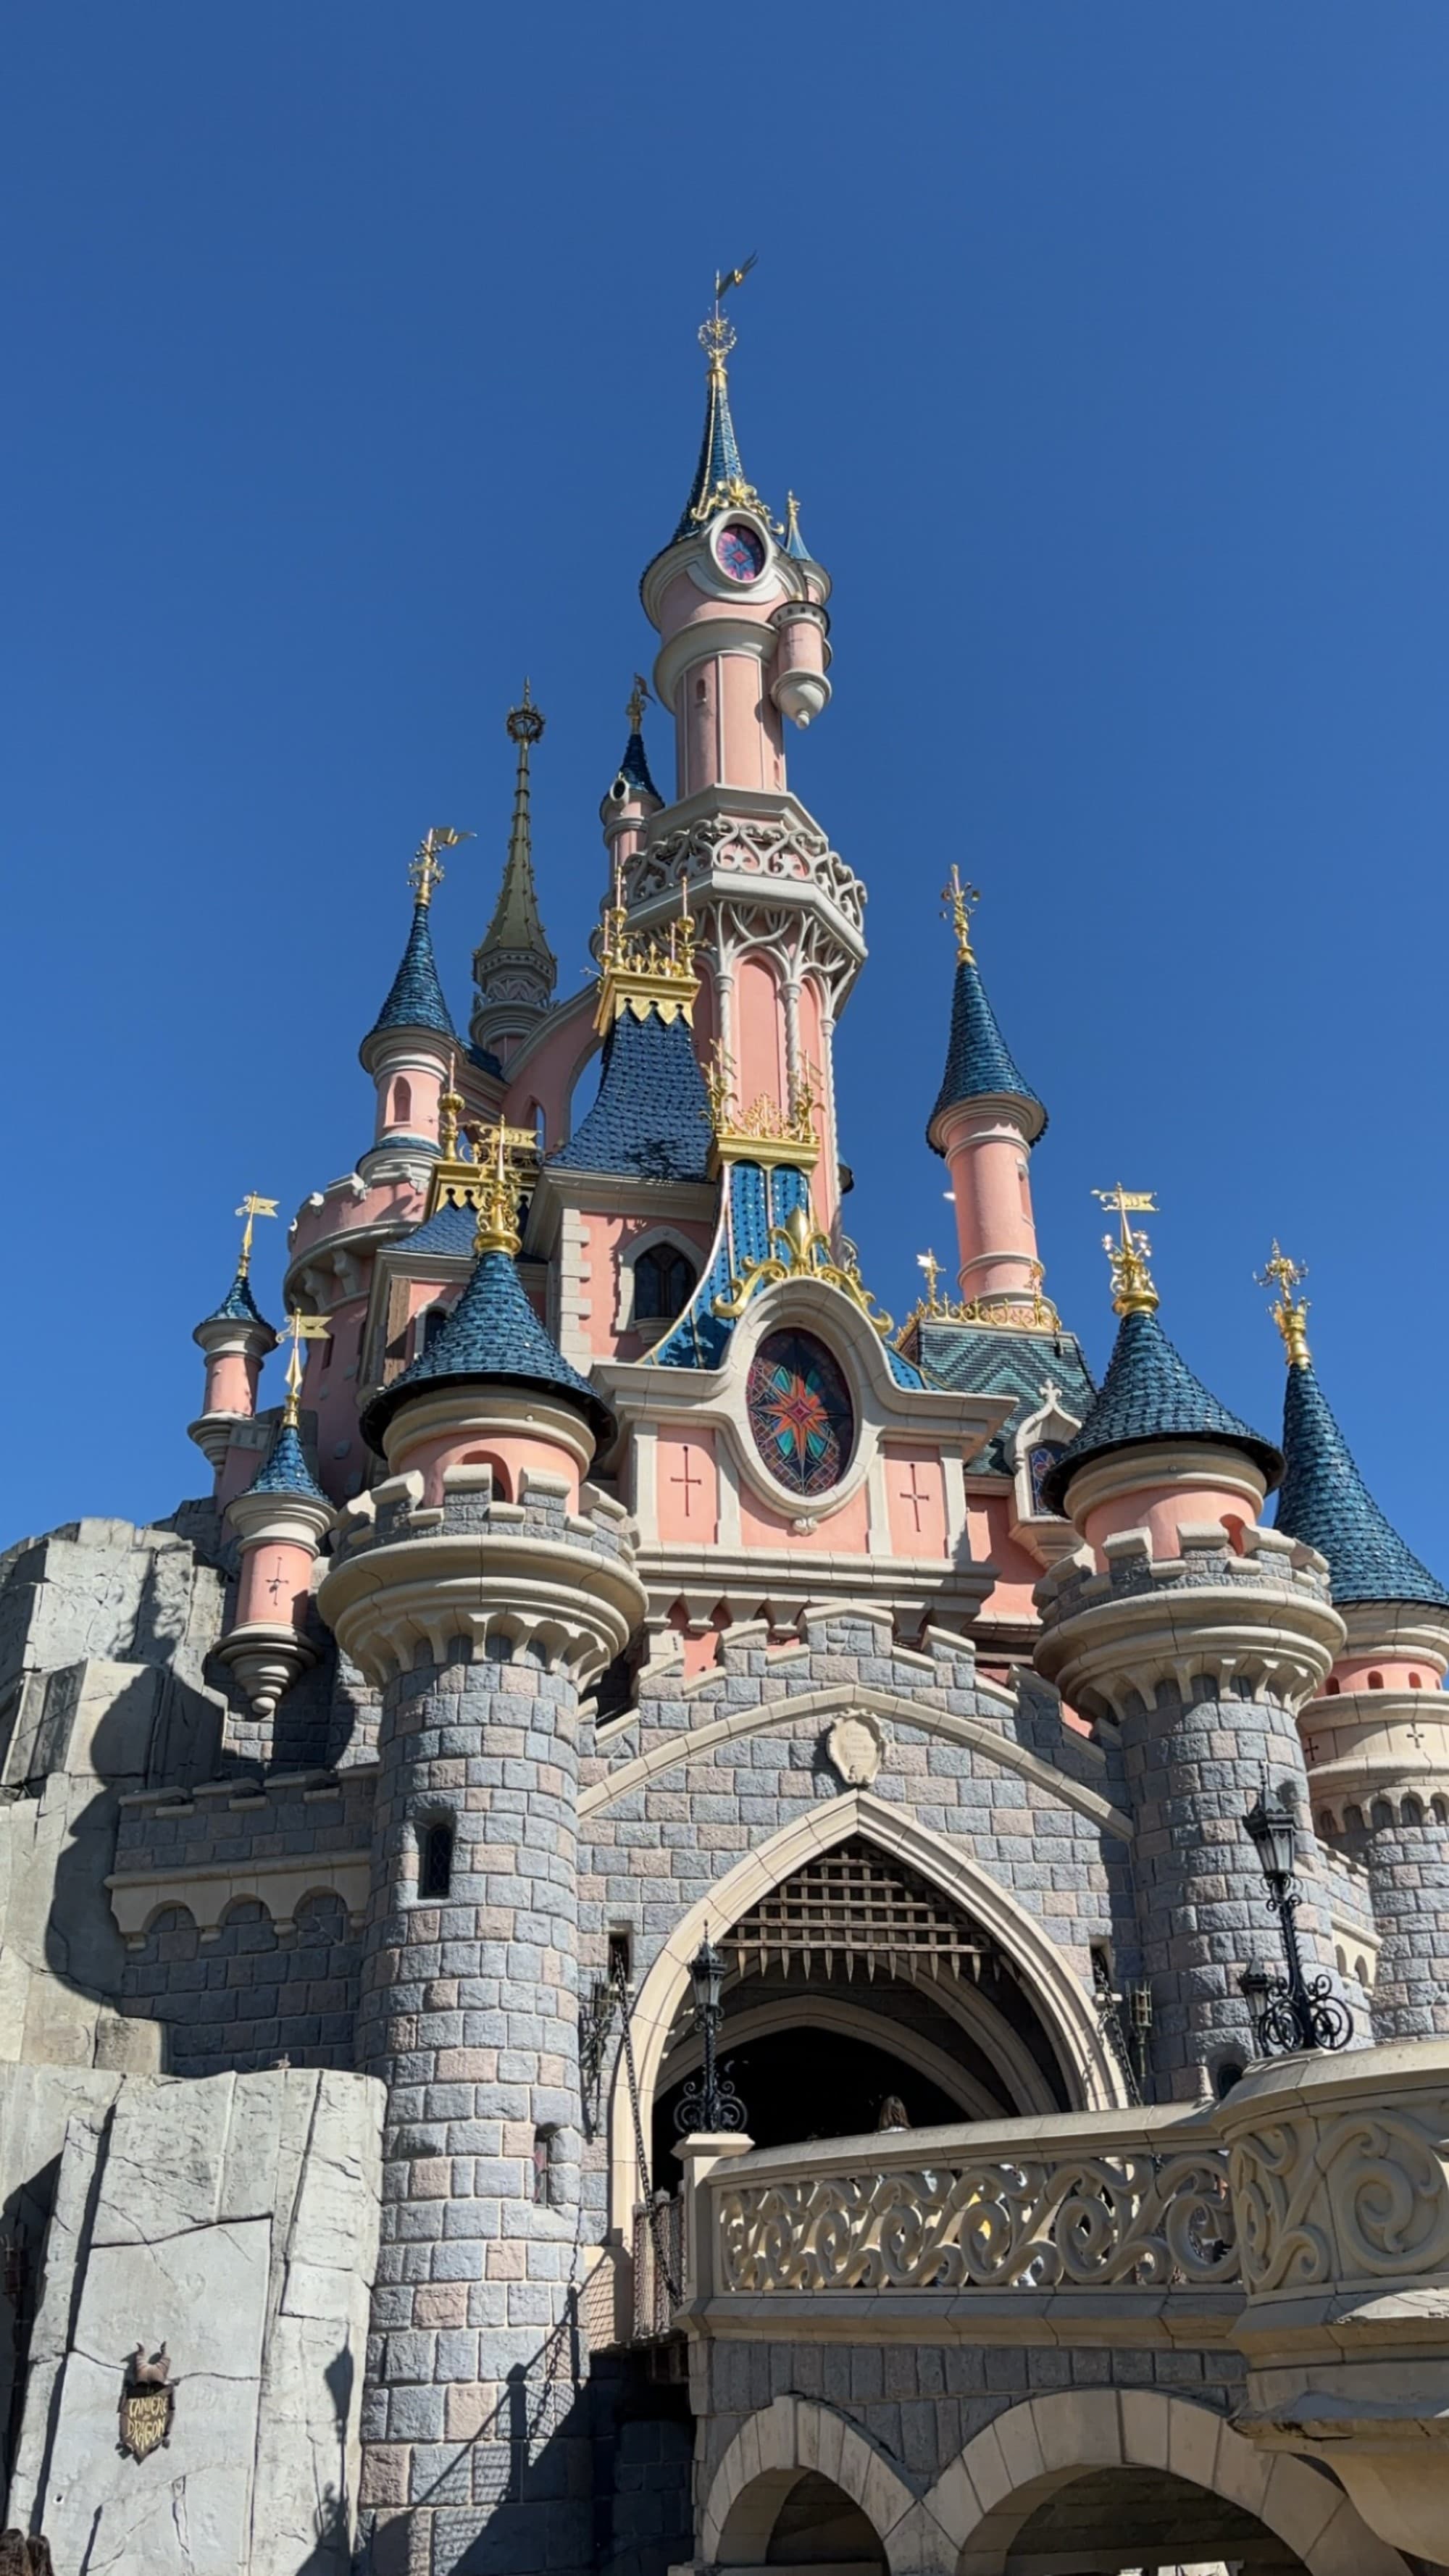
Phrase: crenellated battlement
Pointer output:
(409, 1578)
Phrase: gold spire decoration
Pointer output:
(1289, 1313)
(639, 699)
(731, 490)
(1132, 1289)
(425, 868)
(643, 972)
(927, 1261)
(498, 1196)
(961, 901)
(763, 1132)
(805, 1253)
(450, 1110)
(297, 1330)
(251, 1208)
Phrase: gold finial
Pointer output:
(1290, 1314)
(524, 724)
(961, 901)
(251, 1208)
(1132, 1289)
(927, 1261)
(450, 1110)
(297, 1330)
(425, 869)
(639, 699)
(498, 1199)
(792, 520)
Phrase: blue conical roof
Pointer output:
(978, 1060)
(634, 767)
(415, 1000)
(1325, 1502)
(492, 1337)
(238, 1306)
(795, 545)
(719, 469)
(651, 1117)
(1150, 1394)
(286, 1470)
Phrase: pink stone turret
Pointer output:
(280, 1523)
(236, 1338)
(985, 1122)
(411, 1047)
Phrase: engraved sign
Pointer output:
(148, 2398)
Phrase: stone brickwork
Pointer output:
(248, 1996)
(1201, 1660)
(1405, 1850)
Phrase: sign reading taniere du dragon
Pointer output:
(148, 2397)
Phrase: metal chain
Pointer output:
(652, 2208)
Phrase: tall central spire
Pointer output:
(720, 482)
(515, 962)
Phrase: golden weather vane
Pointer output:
(297, 1330)
(1290, 1314)
(251, 1208)
(927, 1261)
(1132, 1289)
(960, 901)
(639, 699)
(425, 868)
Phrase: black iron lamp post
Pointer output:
(1291, 2012)
(709, 2104)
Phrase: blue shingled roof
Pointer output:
(634, 767)
(450, 1229)
(238, 1306)
(286, 1470)
(415, 1000)
(987, 1359)
(978, 1060)
(719, 455)
(492, 1336)
(1150, 1394)
(651, 1117)
(1325, 1502)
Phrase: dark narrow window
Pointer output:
(662, 1282)
(543, 2154)
(430, 1324)
(435, 1860)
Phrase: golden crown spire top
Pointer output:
(960, 901)
(1127, 1251)
(425, 869)
(1289, 1313)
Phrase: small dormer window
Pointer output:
(663, 1280)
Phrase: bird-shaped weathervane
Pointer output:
(729, 277)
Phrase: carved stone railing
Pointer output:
(1136, 2200)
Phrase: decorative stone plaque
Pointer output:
(148, 2398)
(854, 1747)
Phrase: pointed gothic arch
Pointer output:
(1091, 2074)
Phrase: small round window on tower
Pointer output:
(740, 551)
(800, 1412)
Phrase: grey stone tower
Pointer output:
(483, 1591)
(1376, 1738)
(1193, 1634)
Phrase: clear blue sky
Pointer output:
(352, 374)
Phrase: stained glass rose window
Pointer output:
(800, 1412)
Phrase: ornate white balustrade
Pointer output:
(1038, 2205)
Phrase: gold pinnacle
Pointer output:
(1132, 1289)
(960, 901)
(297, 1330)
(251, 1208)
(425, 868)
(1290, 1314)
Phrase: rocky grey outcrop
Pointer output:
(235, 2220)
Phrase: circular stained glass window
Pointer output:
(800, 1412)
(740, 551)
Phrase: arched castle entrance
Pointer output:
(867, 1957)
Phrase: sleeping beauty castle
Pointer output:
(680, 1927)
